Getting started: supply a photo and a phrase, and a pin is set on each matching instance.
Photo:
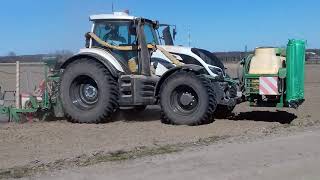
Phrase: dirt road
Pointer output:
(29, 147)
(295, 157)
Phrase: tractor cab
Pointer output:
(120, 29)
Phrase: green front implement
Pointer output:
(290, 79)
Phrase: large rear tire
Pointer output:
(89, 93)
(187, 99)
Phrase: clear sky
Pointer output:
(44, 26)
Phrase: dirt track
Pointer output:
(294, 157)
(44, 142)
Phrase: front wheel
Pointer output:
(187, 99)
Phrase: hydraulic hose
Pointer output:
(173, 59)
(109, 46)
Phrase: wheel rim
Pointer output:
(184, 100)
(84, 92)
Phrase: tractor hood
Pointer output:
(195, 56)
(177, 49)
(208, 58)
(203, 56)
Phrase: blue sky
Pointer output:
(44, 26)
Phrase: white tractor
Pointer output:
(124, 65)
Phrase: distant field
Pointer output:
(31, 75)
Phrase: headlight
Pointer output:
(216, 71)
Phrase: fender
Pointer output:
(186, 67)
(100, 56)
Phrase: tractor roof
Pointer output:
(115, 15)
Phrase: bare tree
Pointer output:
(11, 53)
(62, 56)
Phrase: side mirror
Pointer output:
(156, 24)
(167, 36)
(87, 45)
(174, 33)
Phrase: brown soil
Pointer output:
(44, 142)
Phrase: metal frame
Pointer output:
(251, 85)
(45, 105)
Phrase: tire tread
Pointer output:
(110, 106)
(206, 118)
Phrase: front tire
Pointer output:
(187, 99)
(89, 93)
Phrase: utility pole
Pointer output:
(18, 105)
(189, 36)
(246, 50)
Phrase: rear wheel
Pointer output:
(187, 99)
(89, 94)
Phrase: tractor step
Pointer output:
(137, 90)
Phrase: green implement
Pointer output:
(287, 83)
(48, 105)
(295, 72)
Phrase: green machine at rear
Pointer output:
(43, 104)
(274, 77)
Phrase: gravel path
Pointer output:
(294, 157)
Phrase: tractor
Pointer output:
(123, 65)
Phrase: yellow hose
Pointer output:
(174, 60)
(120, 48)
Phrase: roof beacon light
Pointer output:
(125, 13)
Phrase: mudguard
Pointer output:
(187, 67)
(108, 61)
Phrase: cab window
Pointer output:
(117, 33)
(150, 33)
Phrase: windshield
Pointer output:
(166, 34)
(117, 33)
(151, 35)
(208, 58)
(123, 33)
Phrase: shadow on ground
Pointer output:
(150, 114)
(282, 117)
